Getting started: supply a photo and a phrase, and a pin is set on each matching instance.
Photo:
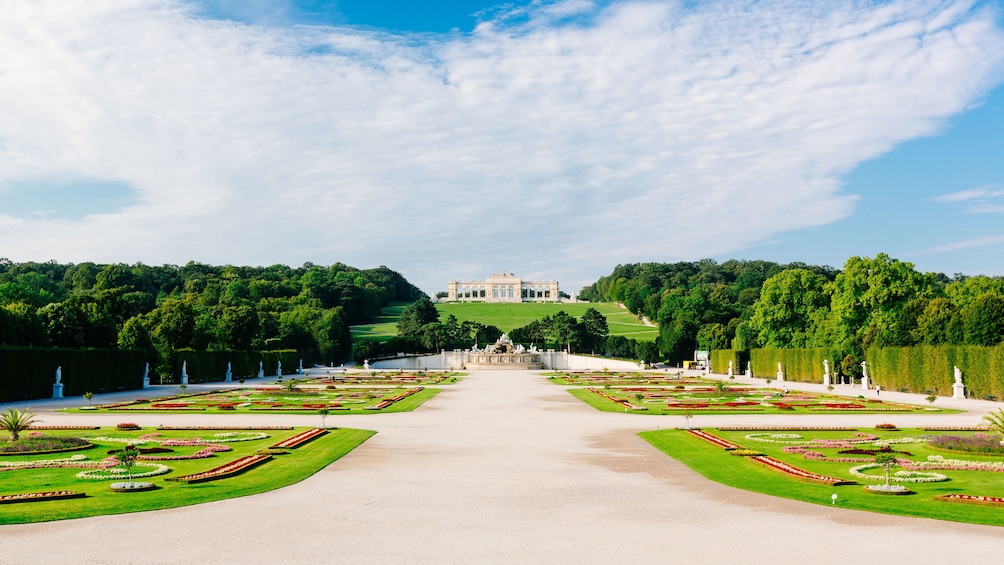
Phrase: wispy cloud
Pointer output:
(983, 200)
(968, 244)
(577, 138)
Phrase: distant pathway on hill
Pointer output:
(503, 467)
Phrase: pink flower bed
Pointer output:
(223, 471)
(972, 499)
(714, 439)
(300, 438)
(33, 427)
(801, 474)
(38, 496)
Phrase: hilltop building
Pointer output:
(503, 287)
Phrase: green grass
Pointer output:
(282, 470)
(382, 328)
(717, 465)
(510, 316)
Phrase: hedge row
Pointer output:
(211, 366)
(720, 361)
(28, 374)
(931, 368)
(922, 369)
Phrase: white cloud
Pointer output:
(648, 132)
(968, 244)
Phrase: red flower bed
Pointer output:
(39, 496)
(223, 471)
(64, 427)
(300, 439)
(972, 499)
(225, 428)
(725, 444)
(841, 405)
(783, 429)
(379, 406)
(741, 404)
(801, 474)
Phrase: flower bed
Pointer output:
(800, 474)
(40, 496)
(223, 471)
(898, 476)
(300, 439)
(783, 429)
(34, 427)
(714, 439)
(971, 499)
(112, 473)
(224, 428)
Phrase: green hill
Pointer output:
(510, 316)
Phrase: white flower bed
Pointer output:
(898, 476)
(787, 439)
(119, 472)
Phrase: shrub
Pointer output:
(127, 426)
(977, 443)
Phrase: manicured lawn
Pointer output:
(509, 316)
(280, 471)
(702, 397)
(717, 464)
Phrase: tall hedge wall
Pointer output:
(926, 368)
(28, 374)
(921, 369)
(720, 361)
(211, 366)
(801, 365)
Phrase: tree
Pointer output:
(127, 459)
(415, 316)
(783, 315)
(984, 320)
(868, 295)
(14, 421)
(647, 351)
(237, 327)
(939, 323)
(323, 413)
(887, 461)
(62, 323)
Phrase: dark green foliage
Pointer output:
(803, 365)
(984, 320)
(30, 373)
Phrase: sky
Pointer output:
(454, 139)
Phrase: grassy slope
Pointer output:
(281, 471)
(510, 316)
(716, 464)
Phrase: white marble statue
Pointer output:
(958, 376)
(230, 376)
(146, 371)
(826, 366)
(730, 369)
(749, 369)
(278, 369)
(59, 374)
(864, 369)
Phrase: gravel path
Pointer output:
(503, 467)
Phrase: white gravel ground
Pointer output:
(505, 467)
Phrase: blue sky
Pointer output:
(453, 139)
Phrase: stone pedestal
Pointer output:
(864, 382)
(780, 376)
(826, 379)
(146, 383)
(958, 390)
(57, 390)
(184, 380)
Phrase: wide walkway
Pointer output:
(502, 467)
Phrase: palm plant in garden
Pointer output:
(15, 421)
(996, 421)
(290, 385)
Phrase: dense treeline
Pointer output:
(161, 309)
(745, 305)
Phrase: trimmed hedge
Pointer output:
(930, 368)
(29, 373)
(921, 369)
(801, 365)
(720, 361)
(211, 366)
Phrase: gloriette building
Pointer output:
(503, 287)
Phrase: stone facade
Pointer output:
(503, 287)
